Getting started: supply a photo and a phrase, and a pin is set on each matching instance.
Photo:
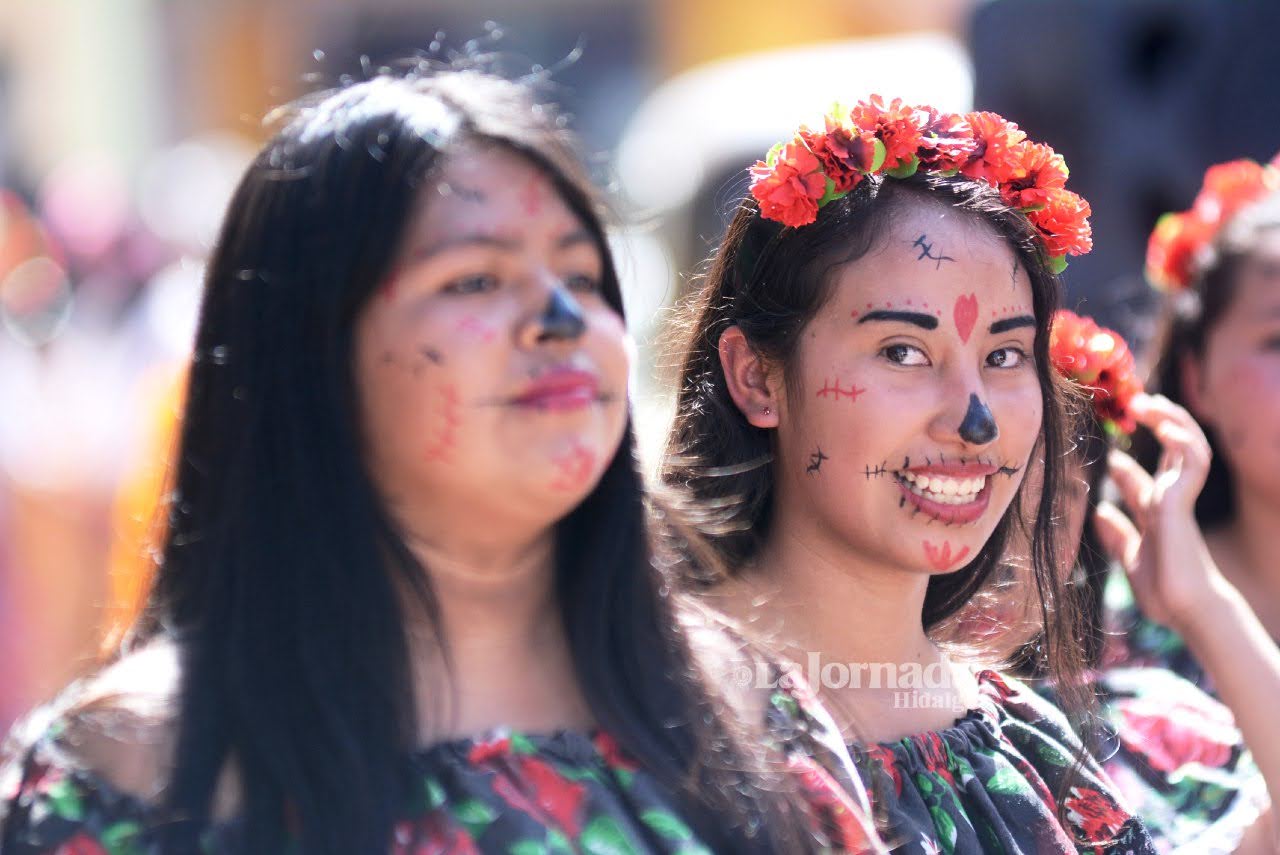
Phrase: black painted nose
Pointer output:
(978, 427)
(562, 319)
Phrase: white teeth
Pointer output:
(946, 491)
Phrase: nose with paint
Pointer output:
(979, 426)
(561, 319)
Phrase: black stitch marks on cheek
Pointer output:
(926, 251)
(815, 461)
(432, 355)
(877, 471)
(1008, 471)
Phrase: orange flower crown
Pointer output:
(814, 168)
(1097, 359)
(1179, 240)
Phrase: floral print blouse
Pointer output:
(509, 792)
(990, 783)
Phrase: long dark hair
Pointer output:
(282, 575)
(1189, 319)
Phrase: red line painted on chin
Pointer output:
(836, 391)
(445, 441)
(942, 558)
(575, 467)
(965, 314)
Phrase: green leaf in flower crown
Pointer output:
(877, 159)
(905, 170)
(831, 194)
(1057, 263)
(772, 157)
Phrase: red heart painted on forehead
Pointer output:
(966, 315)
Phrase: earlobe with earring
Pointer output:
(767, 411)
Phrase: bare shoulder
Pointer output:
(121, 723)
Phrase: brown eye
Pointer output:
(1006, 357)
(478, 284)
(904, 354)
(582, 284)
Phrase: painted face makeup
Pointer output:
(493, 376)
(1237, 390)
(920, 395)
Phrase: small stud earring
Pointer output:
(767, 411)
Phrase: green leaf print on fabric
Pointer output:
(1050, 755)
(475, 815)
(1006, 780)
(666, 825)
(603, 836)
(946, 827)
(521, 744)
(65, 801)
(122, 838)
(434, 793)
(558, 842)
(528, 847)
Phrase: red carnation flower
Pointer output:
(1042, 170)
(1097, 359)
(1228, 187)
(1172, 249)
(1063, 223)
(946, 141)
(846, 152)
(788, 190)
(899, 126)
(1095, 814)
(996, 157)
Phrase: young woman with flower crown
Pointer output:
(1218, 263)
(1175, 754)
(865, 383)
(406, 602)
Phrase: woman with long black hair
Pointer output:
(407, 599)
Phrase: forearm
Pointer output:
(1230, 642)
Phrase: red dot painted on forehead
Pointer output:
(854, 313)
(908, 301)
(868, 305)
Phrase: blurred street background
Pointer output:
(124, 125)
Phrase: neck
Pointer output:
(1253, 540)
(816, 588)
(501, 649)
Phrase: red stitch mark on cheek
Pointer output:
(444, 430)
(574, 467)
(965, 314)
(834, 390)
(473, 327)
(942, 558)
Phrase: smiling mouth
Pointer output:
(952, 495)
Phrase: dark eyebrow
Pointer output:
(1006, 324)
(920, 319)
